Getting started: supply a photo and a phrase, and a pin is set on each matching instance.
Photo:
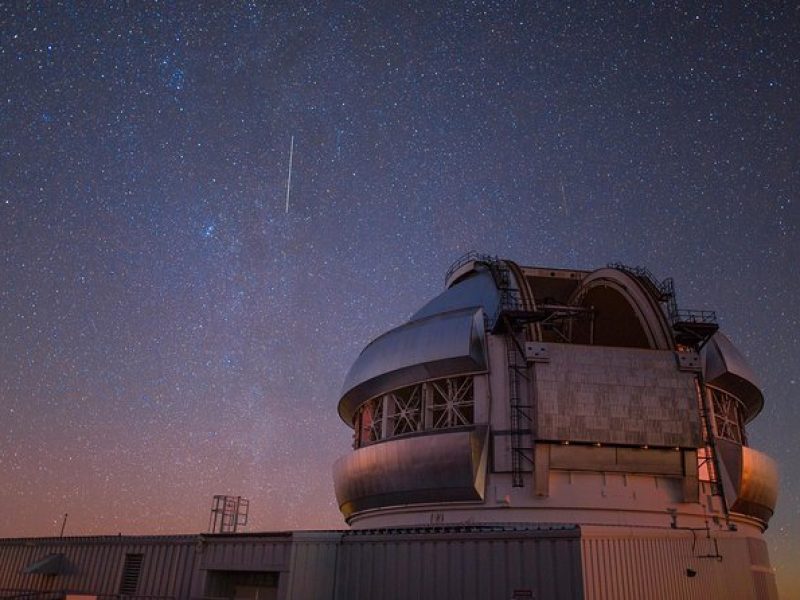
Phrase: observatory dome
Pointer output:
(533, 394)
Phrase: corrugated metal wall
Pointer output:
(465, 563)
(314, 563)
(172, 567)
(244, 552)
(464, 566)
(638, 567)
(94, 564)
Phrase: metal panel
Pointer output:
(479, 290)
(313, 565)
(94, 564)
(726, 368)
(465, 562)
(750, 480)
(469, 566)
(625, 460)
(631, 291)
(236, 552)
(766, 587)
(609, 395)
(438, 346)
(627, 566)
(440, 466)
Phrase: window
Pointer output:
(451, 402)
(437, 404)
(728, 416)
(725, 420)
(706, 471)
(705, 465)
(405, 407)
(370, 421)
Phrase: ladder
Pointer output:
(520, 410)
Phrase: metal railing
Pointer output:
(466, 258)
(705, 317)
(662, 290)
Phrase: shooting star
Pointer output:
(289, 180)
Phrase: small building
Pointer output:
(529, 433)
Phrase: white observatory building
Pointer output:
(529, 433)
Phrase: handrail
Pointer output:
(664, 288)
(465, 258)
(695, 316)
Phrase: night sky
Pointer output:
(169, 332)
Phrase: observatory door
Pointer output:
(242, 585)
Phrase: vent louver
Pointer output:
(130, 574)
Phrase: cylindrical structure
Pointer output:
(537, 395)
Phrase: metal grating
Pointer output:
(130, 574)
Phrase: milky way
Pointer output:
(168, 331)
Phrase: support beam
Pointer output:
(541, 470)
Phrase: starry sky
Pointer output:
(168, 331)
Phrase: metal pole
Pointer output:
(236, 514)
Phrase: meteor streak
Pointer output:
(289, 180)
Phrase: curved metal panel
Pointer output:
(439, 346)
(647, 310)
(461, 268)
(477, 290)
(759, 486)
(725, 367)
(441, 466)
(749, 478)
(526, 296)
